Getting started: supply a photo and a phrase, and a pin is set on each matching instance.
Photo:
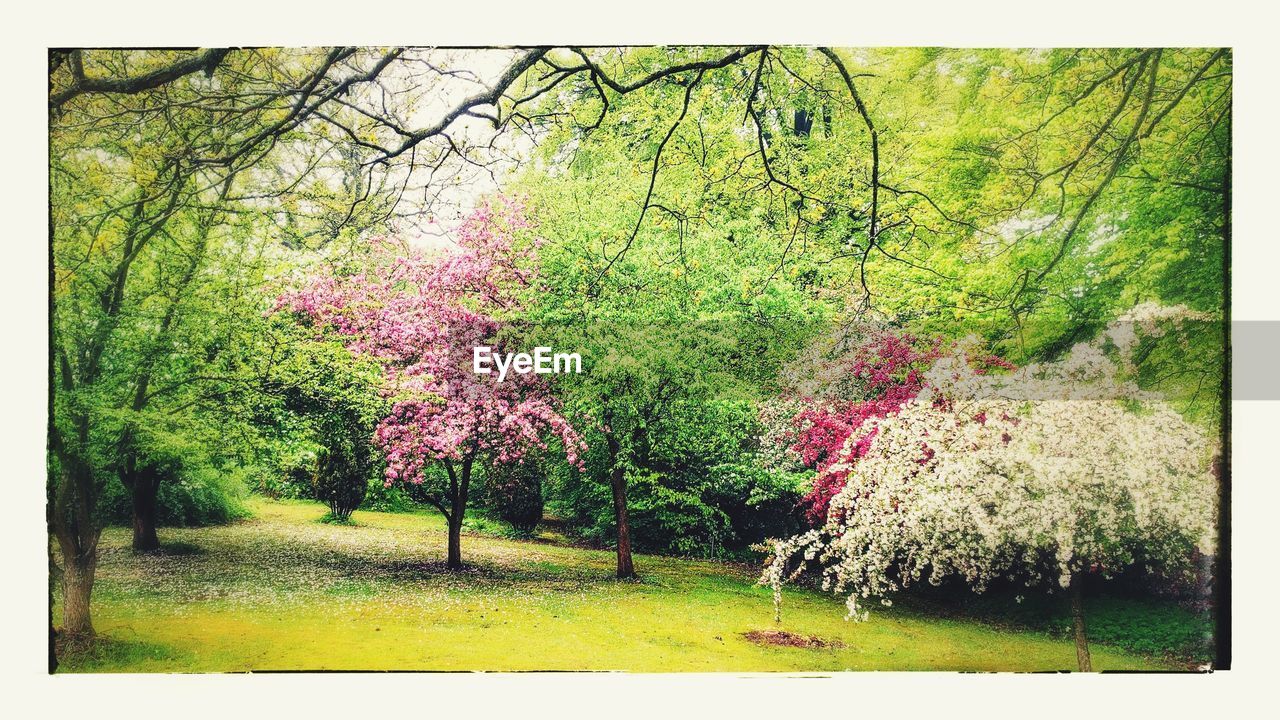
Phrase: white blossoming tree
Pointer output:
(1038, 476)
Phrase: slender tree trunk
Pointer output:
(144, 492)
(458, 509)
(618, 483)
(1077, 622)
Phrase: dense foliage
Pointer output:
(514, 492)
(207, 496)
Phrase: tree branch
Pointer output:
(81, 84)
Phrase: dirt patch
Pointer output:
(786, 639)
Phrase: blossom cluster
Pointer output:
(420, 316)
(881, 372)
(1031, 476)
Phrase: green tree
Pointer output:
(158, 257)
(335, 395)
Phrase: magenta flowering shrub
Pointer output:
(420, 316)
(871, 381)
(874, 380)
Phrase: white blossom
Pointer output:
(1037, 475)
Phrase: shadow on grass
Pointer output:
(179, 548)
(1149, 626)
(80, 654)
(483, 572)
(172, 549)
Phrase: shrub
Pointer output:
(341, 479)
(515, 494)
(759, 502)
(703, 492)
(330, 518)
(197, 497)
(1045, 476)
(288, 477)
(674, 520)
(383, 498)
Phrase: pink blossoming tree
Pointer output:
(421, 316)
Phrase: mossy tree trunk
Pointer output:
(77, 589)
(77, 536)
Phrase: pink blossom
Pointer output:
(420, 317)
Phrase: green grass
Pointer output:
(282, 591)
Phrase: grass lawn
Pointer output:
(283, 591)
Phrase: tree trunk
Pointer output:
(803, 123)
(144, 514)
(77, 535)
(455, 541)
(618, 483)
(77, 587)
(1077, 621)
(461, 483)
